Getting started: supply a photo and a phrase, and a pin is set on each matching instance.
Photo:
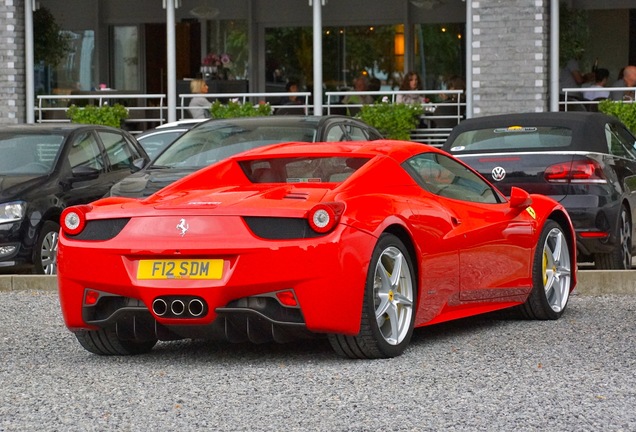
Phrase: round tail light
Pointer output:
(324, 217)
(73, 219)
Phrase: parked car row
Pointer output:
(46, 168)
(585, 161)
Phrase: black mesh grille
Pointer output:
(274, 228)
(103, 229)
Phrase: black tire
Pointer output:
(106, 342)
(391, 297)
(551, 275)
(45, 251)
(621, 257)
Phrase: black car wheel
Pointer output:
(106, 342)
(45, 252)
(621, 257)
(551, 275)
(388, 309)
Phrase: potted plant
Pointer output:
(106, 115)
(236, 109)
(394, 121)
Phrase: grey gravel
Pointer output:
(479, 374)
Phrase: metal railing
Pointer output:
(275, 100)
(143, 109)
(572, 97)
(149, 110)
(436, 123)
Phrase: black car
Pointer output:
(44, 169)
(587, 161)
(218, 139)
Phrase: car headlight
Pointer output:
(12, 211)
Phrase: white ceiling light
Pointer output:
(205, 11)
(427, 4)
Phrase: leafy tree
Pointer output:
(351, 50)
(574, 33)
(50, 44)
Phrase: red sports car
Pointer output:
(358, 241)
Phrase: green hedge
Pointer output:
(107, 115)
(394, 121)
(235, 109)
(626, 112)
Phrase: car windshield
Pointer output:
(333, 169)
(513, 137)
(28, 154)
(155, 142)
(204, 146)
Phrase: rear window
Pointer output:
(514, 137)
(301, 169)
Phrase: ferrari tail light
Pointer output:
(324, 217)
(73, 219)
(577, 171)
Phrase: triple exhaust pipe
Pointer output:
(179, 307)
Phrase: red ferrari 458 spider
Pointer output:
(358, 241)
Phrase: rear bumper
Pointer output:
(326, 277)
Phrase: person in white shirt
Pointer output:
(601, 76)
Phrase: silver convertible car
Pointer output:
(217, 139)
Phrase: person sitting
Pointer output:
(360, 84)
(294, 105)
(626, 78)
(291, 87)
(600, 80)
(455, 82)
(411, 82)
(199, 106)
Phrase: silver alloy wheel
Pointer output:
(48, 253)
(393, 295)
(625, 240)
(556, 270)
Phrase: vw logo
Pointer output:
(498, 173)
(183, 227)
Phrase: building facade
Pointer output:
(509, 66)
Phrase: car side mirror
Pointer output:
(83, 173)
(139, 164)
(519, 198)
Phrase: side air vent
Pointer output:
(103, 229)
(273, 228)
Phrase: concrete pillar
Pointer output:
(12, 72)
(510, 47)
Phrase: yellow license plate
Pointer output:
(180, 269)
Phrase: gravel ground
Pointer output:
(479, 374)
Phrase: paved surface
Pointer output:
(481, 374)
(591, 282)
